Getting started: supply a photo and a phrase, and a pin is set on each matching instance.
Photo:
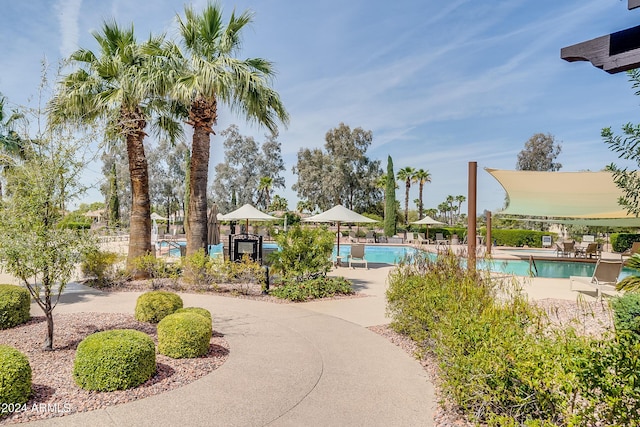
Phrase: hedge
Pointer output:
(118, 359)
(184, 335)
(15, 379)
(15, 304)
(621, 242)
(517, 238)
(153, 306)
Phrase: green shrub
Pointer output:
(118, 359)
(517, 238)
(621, 242)
(319, 287)
(101, 266)
(198, 267)
(154, 267)
(15, 379)
(184, 335)
(153, 306)
(197, 310)
(15, 303)
(304, 252)
(626, 310)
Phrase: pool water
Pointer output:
(382, 254)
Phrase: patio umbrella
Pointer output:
(248, 212)
(213, 232)
(157, 217)
(427, 220)
(339, 214)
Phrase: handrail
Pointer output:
(532, 262)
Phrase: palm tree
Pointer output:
(449, 201)
(406, 175)
(460, 199)
(11, 145)
(422, 176)
(119, 86)
(215, 75)
(264, 187)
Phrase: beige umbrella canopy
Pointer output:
(248, 212)
(339, 214)
(427, 220)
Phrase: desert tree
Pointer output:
(539, 154)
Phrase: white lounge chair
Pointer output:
(357, 255)
(605, 275)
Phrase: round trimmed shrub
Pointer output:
(153, 306)
(197, 310)
(114, 360)
(184, 335)
(15, 378)
(15, 303)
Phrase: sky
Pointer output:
(439, 83)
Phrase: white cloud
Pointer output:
(68, 12)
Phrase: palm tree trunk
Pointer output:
(140, 223)
(420, 207)
(406, 203)
(197, 233)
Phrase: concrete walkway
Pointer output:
(308, 364)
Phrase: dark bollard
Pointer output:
(266, 279)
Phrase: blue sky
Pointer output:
(439, 83)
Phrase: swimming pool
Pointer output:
(383, 254)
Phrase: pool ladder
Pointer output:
(532, 262)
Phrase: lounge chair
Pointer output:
(605, 274)
(440, 239)
(591, 250)
(411, 237)
(352, 237)
(357, 255)
(422, 240)
(635, 248)
(370, 237)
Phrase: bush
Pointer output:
(153, 306)
(15, 379)
(184, 335)
(15, 304)
(517, 238)
(198, 268)
(197, 310)
(305, 290)
(304, 252)
(118, 359)
(626, 310)
(100, 266)
(154, 267)
(621, 242)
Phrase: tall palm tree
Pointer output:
(264, 187)
(422, 176)
(406, 175)
(215, 75)
(121, 86)
(460, 199)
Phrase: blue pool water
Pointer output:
(545, 268)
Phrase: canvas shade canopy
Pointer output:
(590, 196)
(339, 214)
(248, 213)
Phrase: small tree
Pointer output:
(390, 201)
(34, 247)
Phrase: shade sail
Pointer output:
(591, 195)
(247, 212)
(339, 213)
(427, 220)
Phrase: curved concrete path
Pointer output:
(289, 365)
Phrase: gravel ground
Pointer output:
(589, 318)
(54, 391)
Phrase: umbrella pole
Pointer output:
(338, 250)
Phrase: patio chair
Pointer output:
(591, 250)
(352, 237)
(605, 274)
(566, 249)
(440, 239)
(411, 237)
(370, 237)
(422, 240)
(357, 255)
(635, 248)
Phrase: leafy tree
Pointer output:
(214, 74)
(406, 175)
(341, 175)
(390, 201)
(422, 176)
(35, 248)
(121, 86)
(539, 154)
(245, 164)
